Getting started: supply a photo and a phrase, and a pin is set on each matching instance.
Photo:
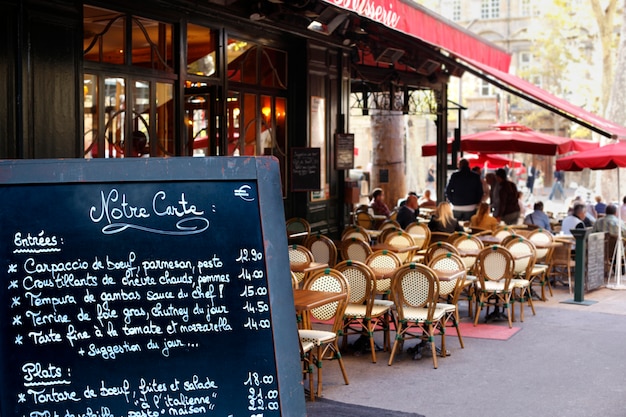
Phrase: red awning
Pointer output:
(419, 22)
(528, 91)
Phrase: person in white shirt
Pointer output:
(622, 210)
(574, 220)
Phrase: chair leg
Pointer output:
(393, 350)
(370, 332)
(433, 348)
(479, 307)
(341, 365)
(455, 323)
(507, 301)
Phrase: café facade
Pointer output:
(155, 78)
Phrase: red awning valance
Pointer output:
(419, 22)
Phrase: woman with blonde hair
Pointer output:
(483, 219)
(443, 220)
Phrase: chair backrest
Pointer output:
(562, 254)
(299, 254)
(449, 262)
(438, 248)
(494, 263)
(361, 281)
(294, 280)
(389, 224)
(455, 235)
(439, 237)
(383, 260)
(355, 249)
(469, 243)
(415, 285)
(300, 226)
(420, 233)
(365, 220)
(541, 237)
(355, 232)
(329, 280)
(520, 247)
(401, 239)
(323, 249)
(382, 237)
(503, 231)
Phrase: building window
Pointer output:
(128, 85)
(456, 10)
(490, 9)
(486, 89)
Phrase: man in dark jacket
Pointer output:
(508, 208)
(464, 191)
(407, 213)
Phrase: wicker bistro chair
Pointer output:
(523, 252)
(402, 239)
(438, 248)
(384, 264)
(382, 237)
(416, 292)
(326, 346)
(355, 232)
(389, 223)
(456, 235)
(299, 254)
(503, 231)
(363, 316)
(355, 249)
(323, 249)
(561, 262)
(299, 227)
(438, 237)
(449, 291)
(494, 269)
(420, 234)
(365, 220)
(470, 244)
(542, 239)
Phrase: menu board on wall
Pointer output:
(305, 169)
(144, 287)
(344, 151)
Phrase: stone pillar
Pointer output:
(388, 154)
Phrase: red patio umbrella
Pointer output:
(605, 157)
(492, 161)
(515, 138)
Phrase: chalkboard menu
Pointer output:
(305, 169)
(344, 151)
(594, 277)
(146, 287)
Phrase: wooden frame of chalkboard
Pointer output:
(146, 287)
(305, 169)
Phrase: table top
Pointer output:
(308, 299)
(489, 239)
(383, 273)
(449, 275)
(307, 267)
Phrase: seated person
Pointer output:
(443, 220)
(483, 218)
(402, 201)
(574, 220)
(407, 213)
(377, 204)
(538, 217)
(610, 223)
(426, 201)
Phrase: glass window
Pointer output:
(273, 68)
(201, 47)
(103, 37)
(152, 44)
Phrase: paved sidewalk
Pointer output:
(568, 360)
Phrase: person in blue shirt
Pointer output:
(600, 206)
(538, 217)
